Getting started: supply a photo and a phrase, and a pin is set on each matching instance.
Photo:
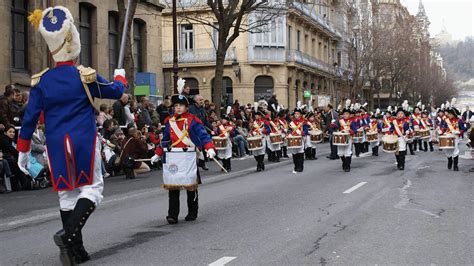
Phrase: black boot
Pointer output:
(285, 152)
(402, 160)
(300, 162)
(313, 154)
(456, 168)
(357, 149)
(375, 151)
(193, 205)
(277, 156)
(229, 166)
(270, 157)
(79, 252)
(450, 163)
(257, 159)
(431, 146)
(343, 159)
(66, 237)
(262, 162)
(173, 207)
(307, 153)
(129, 173)
(410, 146)
(425, 144)
(366, 146)
(397, 156)
(348, 163)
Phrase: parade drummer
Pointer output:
(451, 124)
(313, 125)
(259, 129)
(401, 129)
(427, 124)
(417, 125)
(387, 121)
(360, 127)
(409, 119)
(298, 128)
(226, 130)
(346, 125)
(375, 126)
(184, 133)
(282, 121)
(275, 129)
(64, 95)
(366, 122)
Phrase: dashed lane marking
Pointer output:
(354, 187)
(222, 261)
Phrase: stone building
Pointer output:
(296, 56)
(24, 52)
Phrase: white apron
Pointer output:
(180, 169)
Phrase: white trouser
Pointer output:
(93, 192)
(374, 144)
(402, 144)
(345, 150)
(261, 151)
(453, 152)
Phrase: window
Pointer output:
(113, 42)
(263, 87)
(298, 40)
(85, 31)
(288, 39)
(271, 34)
(19, 34)
(139, 33)
(187, 37)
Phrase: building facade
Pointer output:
(24, 52)
(297, 55)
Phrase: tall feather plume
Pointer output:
(365, 104)
(255, 106)
(357, 106)
(447, 105)
(181, 83)
(339, 107)
(298, 104)
(35, 18)
(278, 108)
(228, 110)
(389, 109)
(377, 111)
(453, 102)
(405, 105)
(348, 103)
(352, 106)
(273, 106)
(442, 106)
(418, 104)
(423, 107)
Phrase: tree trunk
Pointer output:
(128, 63)
(219, 74)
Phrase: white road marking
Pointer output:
(354, 187)
(222, 261)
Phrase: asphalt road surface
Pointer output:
(373, 215)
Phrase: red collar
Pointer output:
(65, 63)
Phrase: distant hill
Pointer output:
(459, 59)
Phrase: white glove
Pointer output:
(456, 132)
(155, 159)
(211, 153)
(23, 161)
(119, 72)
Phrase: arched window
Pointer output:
(113, 42)
(139, 42)
(263, 87)
(19, 34)
(86, 12)
(193, 84)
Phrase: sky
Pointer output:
(457, 16)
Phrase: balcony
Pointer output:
(294, 56)
(207, 55)
(266, 54)
(313, 14)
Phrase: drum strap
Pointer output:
(450, 125)
(183, 135)
(423, 123)
(343, 124)
(296, 128)
(224, 130)
(397, 128)
(275, 127)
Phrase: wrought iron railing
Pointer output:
(207, 55)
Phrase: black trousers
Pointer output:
(401, 158)
(298, 161)
(174, 204)
(333, 148)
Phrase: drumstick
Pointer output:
(220, 165)
(142, 160)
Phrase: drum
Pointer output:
(220, 143)
(390, 143)
(276, 138)
(294, 142)
(447, 141)
(358, 137)
(340, 139)
(410, 136)
(316, 136)
(425, 134)
(255, 143)
(417, 134)
(372, 136)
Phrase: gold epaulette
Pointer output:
(88, 75)
(35, 79)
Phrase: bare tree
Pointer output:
(229, 18)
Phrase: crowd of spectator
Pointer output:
(129, 130)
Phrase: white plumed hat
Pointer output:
(56, 25)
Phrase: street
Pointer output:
(373, 215)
